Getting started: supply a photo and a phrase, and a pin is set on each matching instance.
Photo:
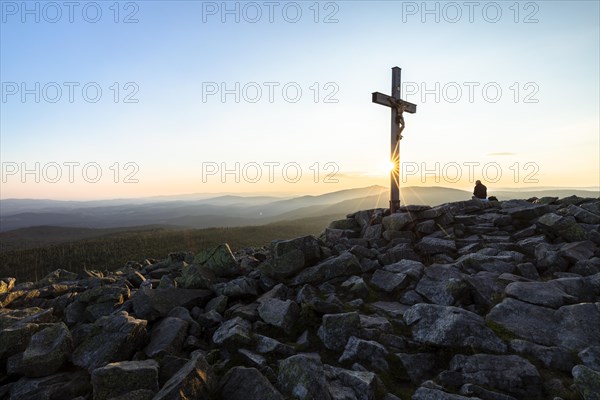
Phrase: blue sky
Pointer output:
(545, 122)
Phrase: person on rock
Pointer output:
(480, 191)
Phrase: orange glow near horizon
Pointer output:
(306, 186)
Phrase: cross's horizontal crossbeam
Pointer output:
(389, 101)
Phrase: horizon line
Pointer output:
(283, 195)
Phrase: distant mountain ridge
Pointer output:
(227, 210)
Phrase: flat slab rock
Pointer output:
(444, 284)
(573, 327)
(451, 327)
(117, 379)
(506, 373)
(546, 294)
(431, 245)
(346, 264)
(113, 338)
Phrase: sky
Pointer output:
(112, 99)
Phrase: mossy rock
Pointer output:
(117, 379)
(587, 382)
(194, 276)
(47, 351)
(219, 259)
(348, 223)
(500, 331)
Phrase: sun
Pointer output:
(385, 167)
(390, 166)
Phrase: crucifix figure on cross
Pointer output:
(398, 108)
(400, 121)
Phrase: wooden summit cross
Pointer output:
(398, 107)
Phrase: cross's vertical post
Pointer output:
(395, 144)
(398, 107)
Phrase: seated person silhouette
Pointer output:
(480, 191)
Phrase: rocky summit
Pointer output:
(466, 300)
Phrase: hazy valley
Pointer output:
(38, 236)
